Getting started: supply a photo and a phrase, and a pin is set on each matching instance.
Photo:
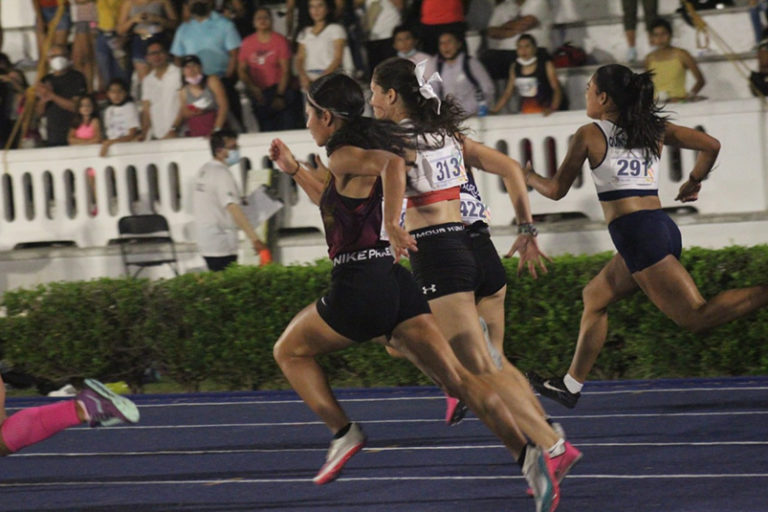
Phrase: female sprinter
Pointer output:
(95, 404)
(623, 146)
(444, 264)
(370, 296)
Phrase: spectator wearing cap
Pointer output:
(509, 20)
(265, 69)
(214, 39)
(203, 101)
(159, 93)
(58, 91)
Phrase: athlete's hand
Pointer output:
(530, 255)
(282, 156)
(689, 191)
(401, 241)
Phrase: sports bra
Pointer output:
(623, 172)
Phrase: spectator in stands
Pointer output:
(669, 65)
(45, 10)
(85, 127)
(302, 17)
(57, 93)
(111, 57)
(535, 80)
(241, 13)
(438, 17)
(381, 18)
(758, 80)
(214, 39)
(203, 101)
(84, 16)
(509, 20)
(144, 21)
(121, 117)
(650, 11)
(216, 206)
(405, 42)
(265, 69)
(159, 94)
(463, 77)
(12, 87)
(321, 45)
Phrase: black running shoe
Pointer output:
(555, 389)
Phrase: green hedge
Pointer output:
(221, 326)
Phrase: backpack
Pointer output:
(567, 56)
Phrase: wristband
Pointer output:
(695, 180)
(527, 228)
(298, 168)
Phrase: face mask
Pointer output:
(526, 62)
(405, 55)
(233, 157)
(195, 80)
(200, 9)
(59, 63)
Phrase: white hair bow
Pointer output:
(425, 88)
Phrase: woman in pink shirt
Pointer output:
(265, 69)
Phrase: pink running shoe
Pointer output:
(455, 410)
(339, 453)
(563, 463)
(542, 481)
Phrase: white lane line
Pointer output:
(414, 420)
(378, 449)
(205, 482)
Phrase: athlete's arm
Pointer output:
(708, 148)
(312, 182)
(557, 186)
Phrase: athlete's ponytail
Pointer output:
(343, 98)
(429, 114)
(639, 113)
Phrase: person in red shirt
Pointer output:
(439, 16)
(264, 66)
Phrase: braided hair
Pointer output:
(639, 113)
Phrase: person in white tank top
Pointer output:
(623, 147)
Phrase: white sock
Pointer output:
(572, 384)
(557, 449)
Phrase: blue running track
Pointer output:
(668, 446)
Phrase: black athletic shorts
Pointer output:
(492, 276)
(645, 237)
(444, 263)
(370, 295)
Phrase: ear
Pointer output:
(391, 96)
(603, 98)
(327, 118)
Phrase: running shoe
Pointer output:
(562, 464)
(455, 410)
(555, 389)
(105, 408)
(341, 450)
(541, 480)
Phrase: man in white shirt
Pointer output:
(216, 204)
(509, 20)
(159, 94)
(463, 77)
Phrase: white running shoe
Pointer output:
(541, 480)
(339, 453)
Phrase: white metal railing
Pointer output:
(45, 194)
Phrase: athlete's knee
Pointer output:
(593, 297)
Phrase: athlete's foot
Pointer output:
(341, 450)
(455, 410)
(541, 480)
(554, 388)
(101, 407)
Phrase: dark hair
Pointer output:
(660, 22)
(263, 8)
(633, 95)
(5, 61)
(398, 74)
(77, 119)
(530, 38)
(191, 58)
(219, 139)
(330, 12)
(343, 98)
(403, 28)
(158, 40)
(118, 81)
